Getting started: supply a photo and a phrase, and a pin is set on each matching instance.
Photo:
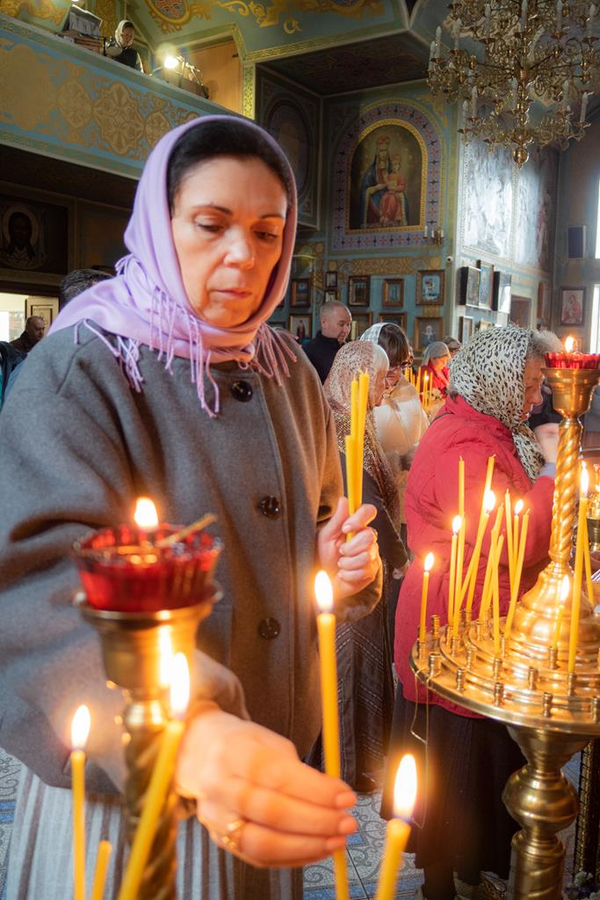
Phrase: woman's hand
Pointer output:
(352, 564)
(255, 796)
(547, 437)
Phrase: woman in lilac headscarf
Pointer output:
(167, 381)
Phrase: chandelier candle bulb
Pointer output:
(331, 725)
(456, 526)
(161, 781)
(398, 828)
(427, 566)
(80, 729)
(104, 851)
(577, 580)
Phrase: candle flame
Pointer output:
(405, 788)
(80, 727)
(565, 588)
(428, 564)
(584, 480)
(426, 376)
(490, 501)
(145, 513)
(456, 523)
(518, 507)
(569, 344)
(166, 657)
(180, 685)
(323, 592)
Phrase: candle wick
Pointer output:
(204, 522)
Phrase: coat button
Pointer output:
(242, 391)
(270, 507)
(269, 629)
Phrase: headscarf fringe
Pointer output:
(127, 352)
(275, 352)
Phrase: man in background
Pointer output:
(335, 319)
(35, 328)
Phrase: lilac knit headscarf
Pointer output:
(146, 302)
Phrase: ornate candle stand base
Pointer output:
(133, 645)
(524, 682)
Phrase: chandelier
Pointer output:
(520, 51)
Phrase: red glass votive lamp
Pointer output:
(575, 360)
(121, 570)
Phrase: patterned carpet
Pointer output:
(364, 848)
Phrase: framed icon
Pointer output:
(360, 323)
(396, 318)
(469, 285)
(300, 327)
(486, 284)
(330, 279)
(572, 301)
(393, 292)
(427, 330)
(300, 292)
(430, 287)
(359, 290)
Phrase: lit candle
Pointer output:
(516, 582)
(427, 566)
(104, 851)
(488, 477)
(331, 725)
(456, 526)
(398, 828)
(496, 595)
(509, 535)
(564, 593)
(146, 518)
(160, 783)
(581, 535)
(486, 595)
(471, 577)
(569, 344)
(80, 729)
(515, 530)
(460, 551)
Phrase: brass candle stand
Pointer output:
(133, 646)
(550, 713)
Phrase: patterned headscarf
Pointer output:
(488, 373)
(147, 304)
(353, 358)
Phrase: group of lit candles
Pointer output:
(516, 527)
(160, 782)
(423, 384)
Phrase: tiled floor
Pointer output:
(364, 854)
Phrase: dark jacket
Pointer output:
(10, 357)
(321, 351)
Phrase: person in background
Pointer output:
(121, 49)
(335, 319)
(363, 647)
(400, 420)
(495, 380)
(435, 364)
(35, 328)
(76, 282)
(452, 344)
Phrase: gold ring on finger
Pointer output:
(233, 833)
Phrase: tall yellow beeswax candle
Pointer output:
(516, 583)
(509, 536)
(104, 851)
(496, 595)
(427, 566)
(162, 776)
(581, 536)
(80, 729)
(398, 829)
(331, 726)
(471, 577)
(456, 525)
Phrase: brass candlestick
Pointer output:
(550, 713)
(132, 649)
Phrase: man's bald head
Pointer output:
(336, 320)
(35, 327)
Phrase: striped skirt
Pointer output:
(40, 863)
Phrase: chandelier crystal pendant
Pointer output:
(520, 52)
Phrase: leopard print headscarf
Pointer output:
(488, 373)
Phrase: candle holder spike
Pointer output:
(550, 712)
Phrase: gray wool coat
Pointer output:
(77, 446)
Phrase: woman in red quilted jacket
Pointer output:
(495, 380)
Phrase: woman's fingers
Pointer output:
(282, 812)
